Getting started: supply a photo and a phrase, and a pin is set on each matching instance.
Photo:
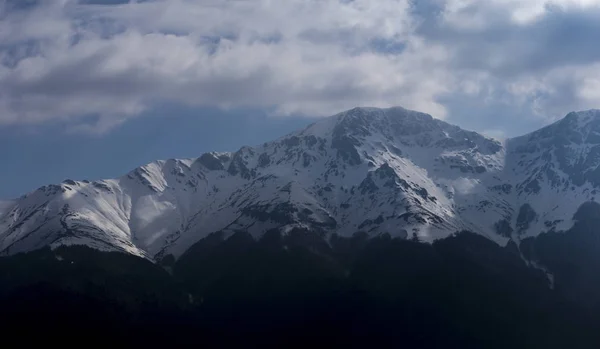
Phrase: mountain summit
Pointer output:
(366, 170)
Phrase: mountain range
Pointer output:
(373, 227)
(366, 170)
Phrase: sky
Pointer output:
(91, 89)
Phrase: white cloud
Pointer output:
(476, 14)
(70, 62)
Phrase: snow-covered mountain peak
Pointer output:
(565, 153)
(576, 127)
(364, 170)
(410, 128)
(581, 119)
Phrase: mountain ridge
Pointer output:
(374, 170)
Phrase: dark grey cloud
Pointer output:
(110, 2)
(556, 39)
(11, 5)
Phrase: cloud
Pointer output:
(518, 62)
(95, 64)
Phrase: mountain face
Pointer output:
(316, 237)
(366, 170)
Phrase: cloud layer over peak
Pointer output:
(94, 64)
